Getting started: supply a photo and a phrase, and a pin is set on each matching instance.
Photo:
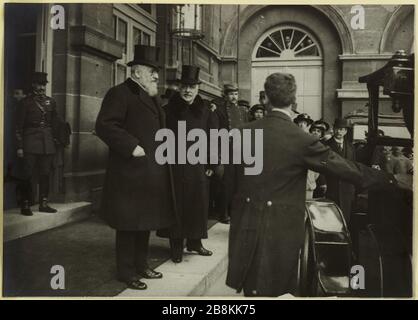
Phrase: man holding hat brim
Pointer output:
(303, 121)
(137, 194)
(268, 210)
(36, 145)
(230, 116)
(191, 183)
(338, 190)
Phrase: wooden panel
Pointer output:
(308, 80)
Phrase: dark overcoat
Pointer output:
(191, 184)
(338, 190)
(34, 119)
(137, 192)
(268, 210)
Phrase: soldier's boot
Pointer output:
(25, 208)
(43, 195)
(44, 207)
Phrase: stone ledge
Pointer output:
(92, 41)
(17, 226)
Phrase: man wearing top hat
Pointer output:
(230, 116)
(191, 181)
(137, 192)
(35, 141)
(338, 190)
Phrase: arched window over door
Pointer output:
(294, 50)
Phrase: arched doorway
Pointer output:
(291, 49)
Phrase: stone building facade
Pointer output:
(242, 44)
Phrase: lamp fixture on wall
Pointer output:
(187, 21)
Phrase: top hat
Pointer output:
(40, 77)
(230, 88)
(303, 117)
(341, 123)
(189, 75)
(145, 55)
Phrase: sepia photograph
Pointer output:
(209, 151)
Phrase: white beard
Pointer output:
(151, 88)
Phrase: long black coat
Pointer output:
(137, 193)
(268, 210)
(338, 190)
(191, 184)
(34, 120)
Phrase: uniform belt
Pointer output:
(39, 125)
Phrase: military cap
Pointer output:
(40, 77)
(230, 88)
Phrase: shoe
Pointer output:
(176, 259)
(136, 284)
(200, 250)
(25, 210)
(148, 273)
(176, 250)
(43, 206)
(226, 220)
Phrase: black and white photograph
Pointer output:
(218, 151)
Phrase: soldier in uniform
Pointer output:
(230, 116)
(35, 142)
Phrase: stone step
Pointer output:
(17, 226)
(194, 275)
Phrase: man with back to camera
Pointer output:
(268, 210)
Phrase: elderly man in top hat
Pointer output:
(268, 210)
(35, 141)
(230, 116)
(338, 190)
(190, 180)
(137, 194)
